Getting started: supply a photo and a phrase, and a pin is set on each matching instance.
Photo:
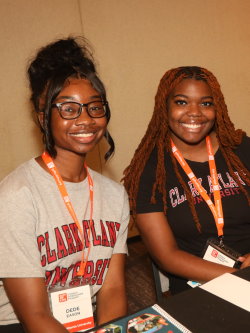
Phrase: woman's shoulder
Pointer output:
(245, 142)
(17, 178)
(243, 151)
(244, 146)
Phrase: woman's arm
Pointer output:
(111, 298)
(162, 246)
(29, 299)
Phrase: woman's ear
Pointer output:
(40, 117)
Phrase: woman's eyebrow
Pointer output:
(180, 95)
(65, 97)
(95, 96)
(211, 97)
(73, 98)
(185, 96)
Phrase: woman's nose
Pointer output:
(194, 110)
(84, 117)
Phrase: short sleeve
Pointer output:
(121, 242)
(243, 151)
(19, 254)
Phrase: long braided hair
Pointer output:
(158, 136)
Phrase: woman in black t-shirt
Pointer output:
(173, 217)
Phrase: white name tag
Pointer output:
(219, 254)
(214, 255)
(73, 308)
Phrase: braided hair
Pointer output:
(158, 136)
(52, 66)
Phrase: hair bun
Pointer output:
(64, 53)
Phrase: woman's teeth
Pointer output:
(83, 135)
(191, 125)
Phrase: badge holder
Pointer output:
(72, 307)
(216, 251)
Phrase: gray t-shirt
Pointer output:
(40, 239)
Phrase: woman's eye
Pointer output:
(207, 103)
(180, 102)
(94, 108)
(69, 108)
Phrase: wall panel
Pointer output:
(136, 41)
(25, 26)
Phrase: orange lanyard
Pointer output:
(215, 208)
(60, 184)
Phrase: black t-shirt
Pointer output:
(235, 206)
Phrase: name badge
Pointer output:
(73, 308)
(219, 254)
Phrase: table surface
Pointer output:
(203, 312)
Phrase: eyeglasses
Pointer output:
(73, 110)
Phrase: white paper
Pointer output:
(230, 288)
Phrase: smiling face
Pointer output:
(191, 112)
(82, 134)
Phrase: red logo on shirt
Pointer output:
(63, 297)
(214, 253)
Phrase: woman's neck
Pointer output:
(70, 166)
(197, 152)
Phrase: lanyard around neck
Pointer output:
(216, 207)
(60, 184)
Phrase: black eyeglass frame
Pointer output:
(81, 106)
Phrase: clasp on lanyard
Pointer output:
(221, 240)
